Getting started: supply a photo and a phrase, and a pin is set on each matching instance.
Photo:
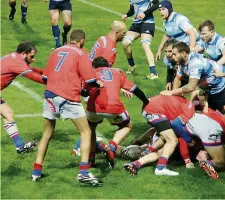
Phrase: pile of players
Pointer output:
(171, 115)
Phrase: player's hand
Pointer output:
(166, 92)
(202, 155)
(158, 55)
(127, 94)
(100, 83)
(141, 16)
(124, 17)
(169, 86)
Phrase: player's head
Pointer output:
(165, 9)
(206, 30)
(28, 50)
(180, 53)
(199, 99)
(100, 62)
(77, 37)
(118, 28)
(168, 47)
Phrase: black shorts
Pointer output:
(147, 28)
(60, 5)
(217, 101)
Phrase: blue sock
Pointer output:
(56, 34)
(12, 130)
(24, 11)
(152, 69)
(77, 145)
(84, 168)
(162, 163)
(131, 61)
(37, 169)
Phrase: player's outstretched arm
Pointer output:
(140, 94)
(154, 7)
(37, 70)
(34, 77)
(159, 52)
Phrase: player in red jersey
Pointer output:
(107, 104)
(105, 46)
(67, 66)
(12, 65)
(159, 112)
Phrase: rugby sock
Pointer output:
(183, 147)
(66, 29)
(152, 69)
(84, 168)
(37, 169)
(137, 164)
(100, 146)
(56, 34)
(24, 11)
(131, 61)
(112, 146)
(161, 163)
(210, 162)
(91, 158)
(77, 145)
(12, 130)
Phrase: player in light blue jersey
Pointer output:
(65, 7)
(176, 26)
(201, 73)
(211, 42)
(144, 27)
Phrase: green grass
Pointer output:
(59, 166)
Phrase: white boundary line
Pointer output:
(28, 115)
(112, 11)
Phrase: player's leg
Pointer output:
(12, 4)
(54, 18)
(146, 42)
(130, 36)
(12, 130)
(67, 18)
(24, 7)
(49, 126)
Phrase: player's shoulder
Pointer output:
(118, 70)
(180, 18)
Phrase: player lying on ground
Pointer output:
(12, 65)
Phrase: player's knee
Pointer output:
(68, 23)
(126, 41)
(146, 42)
(9, 116)
(54, 20)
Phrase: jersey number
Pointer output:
(62, 59)
(106, 75)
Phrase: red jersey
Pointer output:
(217, 116)
(67, 66)
(171, 107)
(114, 79)
(12, 65)
(104, 47)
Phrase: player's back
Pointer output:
(170, 106)
(12, 65)
(104, 47)
(65, 70)
(114, 79)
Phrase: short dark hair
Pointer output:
(100, 62)
(77, 35)
(182, 46)
(26, 47)
(207, 23)
(169, 42)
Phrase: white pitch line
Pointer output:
(28, 115)
(30, 92)
(112, 11)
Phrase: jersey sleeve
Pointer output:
(126, 83)
(20, 67)
(196, 67)
(184, 23)
(95, 49)
(221, 45)
(85, 69)
(201, 44)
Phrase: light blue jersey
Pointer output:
(168, 63)
(202, 68)
(141, 6)
(214, 48)
(176, 27)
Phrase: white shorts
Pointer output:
(114, 119)
(207, 129)
(58, 106)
